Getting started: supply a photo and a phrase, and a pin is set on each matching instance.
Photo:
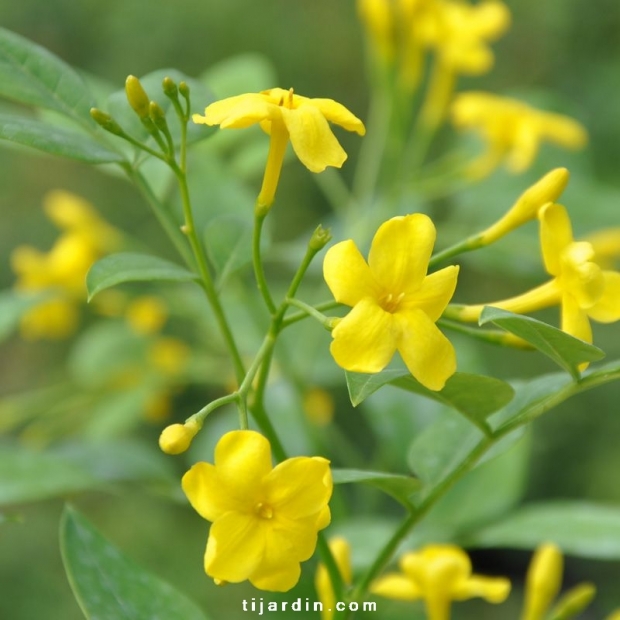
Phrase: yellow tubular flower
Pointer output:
(460, 32)
(395, 304)
(512, 130)
(284, 115)
(342, 555)
(439, 574)
(265, 520)
(543, 583)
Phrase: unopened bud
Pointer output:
(573, 602)
(184, 90)
(177, 438)
(158, 116)
(544, 578)
(136, 96)
(170, 88)
(546, 190)
(105, 121)
(320, 238)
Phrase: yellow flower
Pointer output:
(512, 130)
(319, 406)
(439, 574)
(168, 355)
(284, 115)
(342, 555)
(377, 17)
(54, 319)
(606, 244)
(395, 304)
(265, 520)
(460, 32)
(579, 285)
(146, 314)
(176, 438)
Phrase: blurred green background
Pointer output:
(565, 53)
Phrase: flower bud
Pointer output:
(546, 190)
(170, 88)
(544, 578)
(105, 121)
(320, 238)
(573, 602)
(137, 97)
(184, 90)
(177, 438)
(158, 116)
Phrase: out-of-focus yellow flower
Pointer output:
(284, 115)
(378, 19)
(512, 130)
(265, 520)
(606, 244)
(168, 355)
(395, 304)
(579, 285)
(158, 407)
(54, 319)
(543, 584)
(614, 615)
(146, 314)
(318, 406)
(460, 33)
(438, 575)
(342, 556)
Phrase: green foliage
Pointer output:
(132, 267)
(13, 304)
(108, 585)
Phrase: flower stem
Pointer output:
(259, 272)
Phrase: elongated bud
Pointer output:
(105, 121)
(184, 90)
(544, 578)
(137, 97)
(158, 116)
(177, 438)
(573, 602)
(548, 189)
(170, 88)
(320, 238)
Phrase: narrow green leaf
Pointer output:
(28, 475)
(474, 396)
(228, 240)
(55, 140)
(398, 486)
(132, 267)
(110, 586)
(579, 528)
(565, 350)
(31, 74)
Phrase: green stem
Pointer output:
(311, 311)
(467, 245)
(259, 272)
(299, 316)
(493, 336)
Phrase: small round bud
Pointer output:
(170, 88)
(320, 238)
(177, 438)
(136, 96)
(184, 89)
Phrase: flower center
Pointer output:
(391, 301)
(264, 511)
(287, 100)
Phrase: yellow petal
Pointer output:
(580, 276)
(492, 18)
(324, 518)
(607, 308)
(556, 234)
(492, 589)
(243, 460)
(526, 142)
(276, 578)
(427, 353)
(400, 252)
(235, 548)
(288, 539)
(219, 111)
(564, 131)
(336, 113)
(299, 487)
(205, 493)
(575, 320)
(347, 274)
(247, 113)
(312, 139)
(365, 340)
(544, 579)
(435, 293)
(396, 586)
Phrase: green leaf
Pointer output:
(228, 240)
(398, 486)
(55, 140)
(132, 267)
(584, 529)
(474, 396)
(565, 350)
(110, 586)
(245, 73)
(28, 475)
(30, 74)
